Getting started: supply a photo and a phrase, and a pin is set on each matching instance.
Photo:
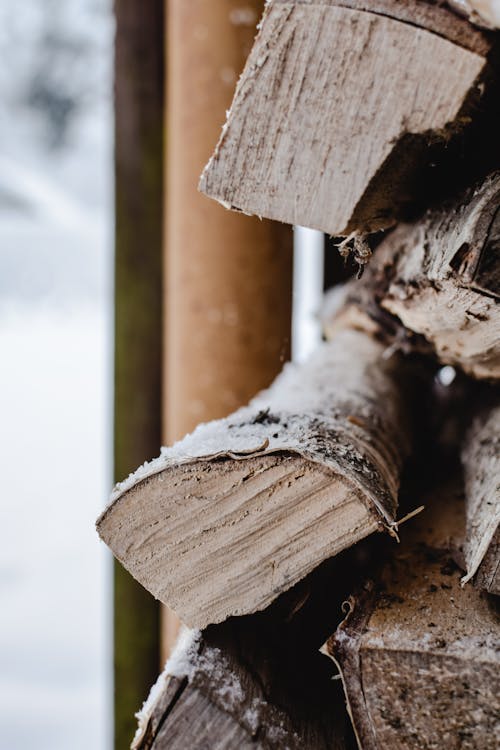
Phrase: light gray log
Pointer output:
(441, 278)
(245, 507)
(481, 464)
(339, 101)
(418, 652)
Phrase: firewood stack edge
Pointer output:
(333, 548)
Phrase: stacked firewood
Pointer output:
(260, 530)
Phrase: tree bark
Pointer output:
(334, 116)
(138, 322)
(246, 506)
(439, 277)
(417, 651)
(481, 465)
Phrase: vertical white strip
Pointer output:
(308, 275)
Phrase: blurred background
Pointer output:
(55, 371)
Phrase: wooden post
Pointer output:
(228, 277)
(138, 294)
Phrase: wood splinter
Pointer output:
(244, 507)
(418, 653)
(340, 100)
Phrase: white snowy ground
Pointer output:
(55, 364)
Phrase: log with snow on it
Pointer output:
(418, 652)
(259, 681)
(243, 508)
(345, 108)
(481, 467)
(439, 277)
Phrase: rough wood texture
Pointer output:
(441, 277)
(481, 464)
(259, 681)
(245, 507)
(419, 653)
(334, 113)
(139, 75)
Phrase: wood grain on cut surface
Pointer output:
(441, 278)
(245, 507)
(327, 97)
(481, 465)
(419, 653)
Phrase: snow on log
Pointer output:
(332, 119)
(244, 507)
(481, 465)
(258, 681)
(418, 652)
(441, 277)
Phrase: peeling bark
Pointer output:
(419, 653)
(333, 118)
(441, 278)
(245, 507)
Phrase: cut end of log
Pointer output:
(254, 528)
(245, 507)
(330, 124)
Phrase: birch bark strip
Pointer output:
(441, 278)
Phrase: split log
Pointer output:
(258, 681)
(338, 104)
(481, 464)
(419, 654)
(244, 507)
(441, 278)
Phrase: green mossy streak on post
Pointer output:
(139, 94)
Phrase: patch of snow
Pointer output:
(183, 658)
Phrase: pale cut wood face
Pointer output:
(328, 96)
(219, 538)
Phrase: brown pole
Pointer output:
(139, 74)
(228, 277)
